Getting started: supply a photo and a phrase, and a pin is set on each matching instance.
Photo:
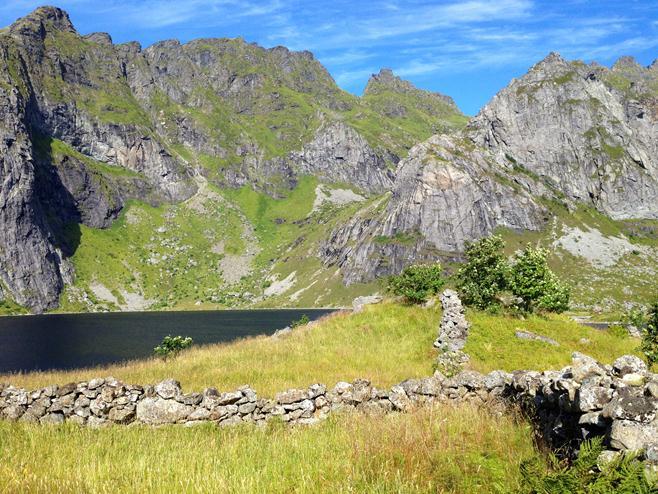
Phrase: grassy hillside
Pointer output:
(221, 248)
(608, 263)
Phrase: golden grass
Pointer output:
(386, 343)
(436, 449)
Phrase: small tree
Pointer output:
(171, 346)
(533, 282)
(484, 276)
(418, 282)
(650, 335)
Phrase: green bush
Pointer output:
(535, 285)
(484, 276)
(171, 346)
(417, 283)
(623, 475)
(302, 321)
(635, 316)
(650, 335)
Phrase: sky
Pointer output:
(466, 49)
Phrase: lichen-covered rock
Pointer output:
(159, 411)
(629, 364)
(627, 435)
(168, 388)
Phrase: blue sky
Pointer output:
(467, 49)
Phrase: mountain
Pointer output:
(218, 173)
(565, 136)
(91, 128)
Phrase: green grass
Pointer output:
(440, 449)
(166, 254)
(492, 344)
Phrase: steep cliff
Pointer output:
(585, 130)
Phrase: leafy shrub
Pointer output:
(533, 282)
(635, 316)
(650, 335)
(302, 321)
(417, 283)
(171, 346)
(623, 475)
(484, 276)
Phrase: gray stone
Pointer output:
(632, 436)
(291, 396)
(52, 418)
(527, 335)
(158, 411)
(592, 396)
(13, 412)
(629, 364)
(583, 366)
(121, 415)
(169, 388)
(359, 303)
(95, 383)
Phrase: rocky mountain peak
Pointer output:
(43, 20)
(625, 63)
(387, 80)
(99, 38)
(551, 65)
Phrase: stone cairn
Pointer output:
(453, 331)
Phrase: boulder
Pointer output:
(632, 436)
(629, 364)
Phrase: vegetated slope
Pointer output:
(566, 135)
(90, 126)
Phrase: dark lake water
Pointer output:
(65, 341)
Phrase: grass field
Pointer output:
(444, 448)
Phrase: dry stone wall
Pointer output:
(585, 399)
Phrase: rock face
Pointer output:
(584, 130)
(443, 196)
